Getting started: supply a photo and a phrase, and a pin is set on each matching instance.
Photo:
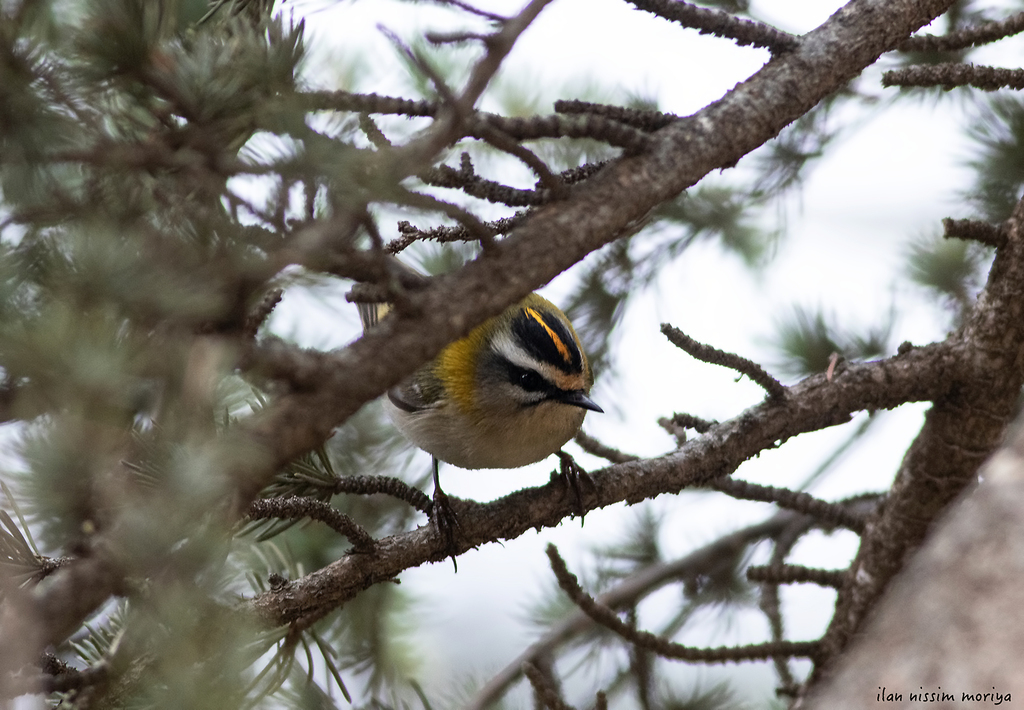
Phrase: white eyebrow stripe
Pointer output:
(506, 346)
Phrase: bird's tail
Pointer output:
(370, 314)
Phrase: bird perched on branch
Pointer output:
(510, 393)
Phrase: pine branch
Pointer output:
(386, 485)
(557, 126)
(812, 404)
(545, 690)
(297, 507)
(595, 447)
(959, 432)
(649, 121)
(469, 182)
(464, 217)
(373, 132)
(835, 514)
(479, 124)
(721, 24)
(681, 420)
(411, 234)
(664, 648)
(366, 103)
(714, 356)
(967, 37)
(954, 74)
(497, 46)
(993, 235)
(796, 574)
(555, 188)
(782, 545)
(261, 311)
(630, 591)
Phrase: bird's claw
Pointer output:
(442, 515)
(574, 476)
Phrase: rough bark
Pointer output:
(951, 624)
(960, 432)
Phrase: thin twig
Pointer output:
(464, 217)
(473, 10)
(721, 24)
(585, 125)
(714, 356)
(829, 513)
(953, 74)
(994, 235)
(481, 188)
(454, 37)
(261, 311)
(366, 103)
(595, 447)
(967, 37)
(699, 563)
(297, 507)
(411, 234)
(372, 132)
(545, 691)
(663, 647)
(500, 140)
(559, 126)
(783, 544)
(681, 421)
(644, 120)
(394, 487)
(420, 62)
(796, 574)
(498, 46)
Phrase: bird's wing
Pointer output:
(420, 392)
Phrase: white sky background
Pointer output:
(847, 232)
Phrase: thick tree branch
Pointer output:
(920, 374)
(960, 431)
(952, 618)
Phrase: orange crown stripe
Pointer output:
(562, 350)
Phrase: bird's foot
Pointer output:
(442, 515)
(574, 476)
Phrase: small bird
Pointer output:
(510, 393)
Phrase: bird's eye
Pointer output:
(529, 380)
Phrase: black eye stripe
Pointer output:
(545, 337)
(528, 380)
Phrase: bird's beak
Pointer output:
(578, 398)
